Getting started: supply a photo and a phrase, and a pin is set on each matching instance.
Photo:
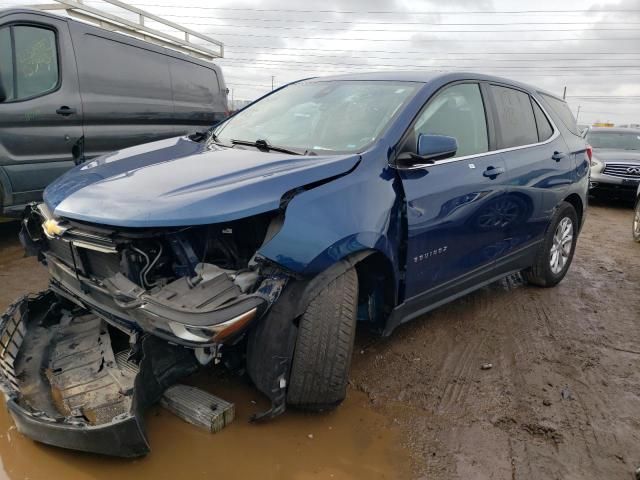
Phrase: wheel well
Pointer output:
(377, 293)
(575, 200)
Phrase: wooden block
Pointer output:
(198, 407)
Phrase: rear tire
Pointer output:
(324, 346)
(555, 254)
(636, 222)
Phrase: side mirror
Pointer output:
(430, 148)
(3, 93)
(436, 147)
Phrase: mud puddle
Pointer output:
(352, 442)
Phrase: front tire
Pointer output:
(324, 346)
(556, 251)
(636, 222)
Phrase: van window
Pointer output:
(515, 117)
(36, 57)
(545, 130)
(457, 112)
(6, 63)
(194, 83)
(111, 71)
(561, 109)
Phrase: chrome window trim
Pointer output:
(554, 135)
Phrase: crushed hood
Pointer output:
(178, 182)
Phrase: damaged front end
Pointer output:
(128, 313)
(198, 286)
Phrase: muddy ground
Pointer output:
(560, 401)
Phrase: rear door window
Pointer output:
(458, 112)
(517, 124)
(6, 64)
(36, 61)
(545, 130)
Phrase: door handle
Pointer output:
(65, 111)
(557, 156)
(493, 172)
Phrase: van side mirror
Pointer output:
(429, 149)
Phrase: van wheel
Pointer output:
(636, 222)
(556, 252)
(324, 345)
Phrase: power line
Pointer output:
(256, 63)
(368, 22)
(392, 12)
(604, 96)
(580, 67)
(482, 40)
(374, 30)
(370, 57)
(422, 52)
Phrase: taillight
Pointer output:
(590, 153)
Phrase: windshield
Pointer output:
(619, 140)
(324, 117)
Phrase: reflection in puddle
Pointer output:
(352, 442)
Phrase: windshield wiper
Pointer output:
(265, 146)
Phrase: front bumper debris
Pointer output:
(73, 381)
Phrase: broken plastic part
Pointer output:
(89, 398)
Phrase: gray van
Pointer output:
(70, 91)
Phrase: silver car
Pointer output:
(615, 162)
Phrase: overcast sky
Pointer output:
(592, 48)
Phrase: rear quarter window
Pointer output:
(561, 109)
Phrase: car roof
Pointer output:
(615, 130)
(426, 76)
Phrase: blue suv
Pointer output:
(369, 198)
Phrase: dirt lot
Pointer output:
(561, 400)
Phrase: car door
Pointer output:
(540, 167)
(453, 231)
(41, 116)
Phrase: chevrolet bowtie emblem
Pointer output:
(52, 228)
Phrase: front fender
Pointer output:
(359, 211)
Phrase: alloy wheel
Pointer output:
(561, 246)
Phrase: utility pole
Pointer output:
(272, 78)
(564, 94)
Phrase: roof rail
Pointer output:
(208, 49)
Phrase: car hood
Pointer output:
(178, 182)
(617, 156)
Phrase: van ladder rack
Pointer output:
(209, 49)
